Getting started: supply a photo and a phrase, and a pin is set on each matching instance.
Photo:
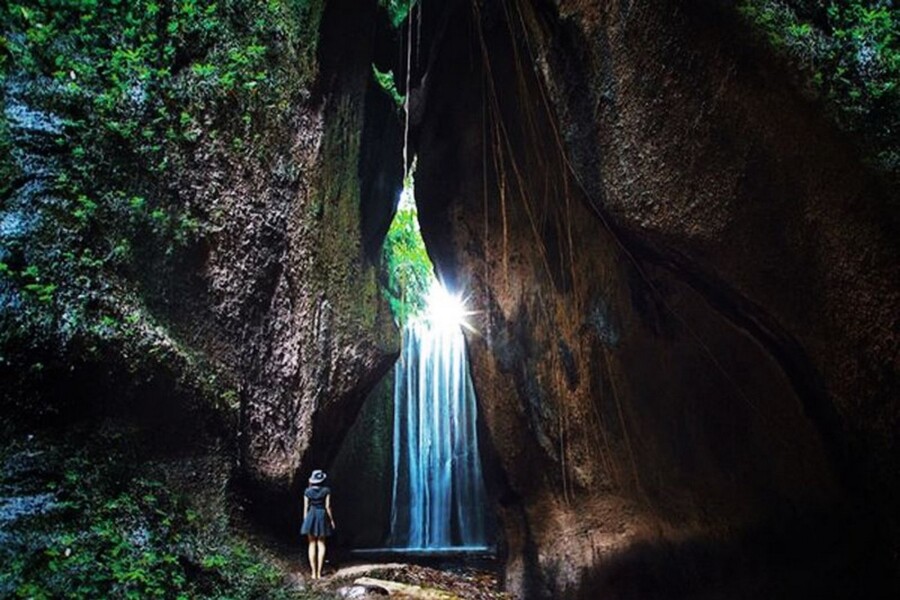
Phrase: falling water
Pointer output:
(438, 497)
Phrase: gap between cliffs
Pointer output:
(623, 382)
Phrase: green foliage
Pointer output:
(32, 284)
(410, 272)
(111, 530)
(397, 9)
(386, 82)
(850, 51)
(134, 92)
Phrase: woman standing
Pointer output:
(318, 523)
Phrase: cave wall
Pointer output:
(326, 335)
(362, 474)
(684, 288)
(260, 312)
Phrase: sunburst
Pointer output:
(447, 310)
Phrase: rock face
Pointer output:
(685, 290)
(324, 334)
(271, 320)
(362, 474)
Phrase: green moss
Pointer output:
(404, 257)
(132, 79)
(337, 201)
(342, 272)
(139, 89)
(850, 53)
(364, 468)
(107, 523)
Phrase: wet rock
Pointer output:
(364, 468)
(296, 582)
(362, 592)
(16, 507)
(384, 587)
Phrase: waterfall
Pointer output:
(439, 498)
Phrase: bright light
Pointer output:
(407, 199)
(445, 310)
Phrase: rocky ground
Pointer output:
(398, 580)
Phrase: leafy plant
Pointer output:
(410, 272)
(397, 9)
(125, 95)
(112, 527)
(850, 53)
(386, 82)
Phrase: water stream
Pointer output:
(439, 498)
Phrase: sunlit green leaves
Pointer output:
(386, 82)
(851, 52)
(410, 272)
(397, 9)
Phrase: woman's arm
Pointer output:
(305, 505)
(328, 510)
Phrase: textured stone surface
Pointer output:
(324, 334)
(685, 297)
(361, 476)
(272, 322)
(684, 285)
(287, 274)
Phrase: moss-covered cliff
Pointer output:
(130, 127)
(182, 250)
(846, 56)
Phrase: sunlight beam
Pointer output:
(446, 310)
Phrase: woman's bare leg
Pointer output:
(320, 543)
(312, 555)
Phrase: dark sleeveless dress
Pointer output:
(316, 522)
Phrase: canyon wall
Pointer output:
(684, 287)
(199, 251)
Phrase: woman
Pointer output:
(318, 523)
